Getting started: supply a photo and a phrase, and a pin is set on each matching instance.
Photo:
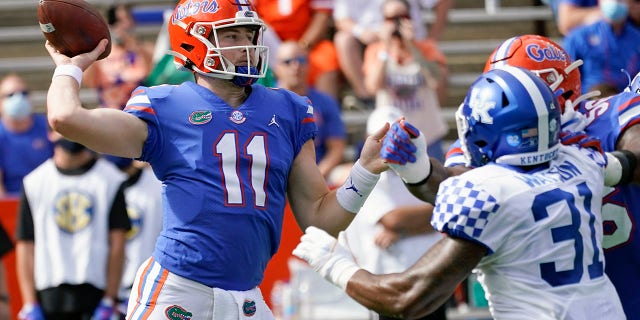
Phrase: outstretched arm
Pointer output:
(405, 149)
(414, 293)
(102, 129)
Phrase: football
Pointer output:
(73, 26)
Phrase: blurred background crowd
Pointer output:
(350, 57)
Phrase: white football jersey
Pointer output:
(71, 223)
(543, 233)
(144, 207)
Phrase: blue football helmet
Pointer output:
(509, 116)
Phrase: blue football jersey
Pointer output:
(224, 172)
(608, 118)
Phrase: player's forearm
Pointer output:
(63, 102)
(426, 190)
(115, 265)
(25, 271)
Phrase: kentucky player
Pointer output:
(613, 120)
(229, 154)
(527, 218)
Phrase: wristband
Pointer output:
(620, 167)
(69, 70)
(355, 190)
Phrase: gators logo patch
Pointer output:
(200, 117)
(177, 313)
(249, 308)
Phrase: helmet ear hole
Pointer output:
(505, 100)
(187, 47)
(481, 143)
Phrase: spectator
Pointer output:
(6, 245)
(291, 68)
(408, 74)
(128, 64)
(23, 135)
(307, 22)
(503, 218)
(608, 45)
(70, 236)
(143, 195)
(357, 25)
(573, 13)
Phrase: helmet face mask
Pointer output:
(509, 116)
(195, 33)
(543, 57)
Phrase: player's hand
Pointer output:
(31, 311)
(83, 61)
(326, 256)
(370, 155)
(572, 120)
(405, 150)
(104, 311)
(581, 139)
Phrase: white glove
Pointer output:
(405, 150)
(326, 256)
(572, 120)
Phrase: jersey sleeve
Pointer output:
(629, 113)
(464, 210)
(118, 217)
(307, 128)
(5, 242)
(24, 226)
(140, 106)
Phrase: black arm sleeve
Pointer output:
(118, 217)
(6, 244)
(628, 162)
(24, 227)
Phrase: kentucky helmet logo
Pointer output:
(481, 105)
(177, 313)
(73, 210)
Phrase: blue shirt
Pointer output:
(20, 153)
(224, 173)
(326, 112)
(604, 53)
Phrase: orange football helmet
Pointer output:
(545, 58)
(193, 34)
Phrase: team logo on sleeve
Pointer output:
(200, 117)
(177, 313)
(73, 210)
(237, 117)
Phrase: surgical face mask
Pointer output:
(17, 106)
(614, 11)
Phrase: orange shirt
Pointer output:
(290, 18)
